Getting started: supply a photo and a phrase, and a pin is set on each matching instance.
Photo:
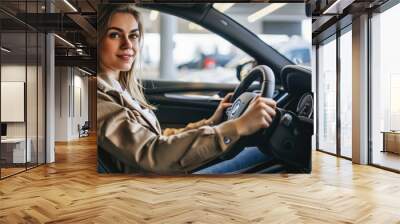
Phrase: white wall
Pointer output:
(79, 117)
(62, 78)
(69, 85)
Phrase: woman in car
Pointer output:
(129, 136)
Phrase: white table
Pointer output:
(18, 149)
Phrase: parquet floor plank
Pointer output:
(71, 191)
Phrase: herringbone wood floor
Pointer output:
(70, 191)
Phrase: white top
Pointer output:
(147, 112)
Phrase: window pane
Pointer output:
(346, 94)
(385, 84)
(14, 153)
(327, 97)
(287, 29)
(22, 89)
(197, 54)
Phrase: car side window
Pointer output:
(284, 26)
(198, 55)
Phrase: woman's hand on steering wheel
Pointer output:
(216, 118)
(258, 115)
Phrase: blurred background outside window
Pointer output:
(199, 55)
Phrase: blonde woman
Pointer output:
(129, 136)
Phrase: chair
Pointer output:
(84, 130)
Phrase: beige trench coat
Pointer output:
(138, 145)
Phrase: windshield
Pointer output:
(283, 26)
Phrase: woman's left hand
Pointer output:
(216, 118)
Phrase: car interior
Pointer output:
(288, 140)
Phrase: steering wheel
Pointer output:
(241, 100)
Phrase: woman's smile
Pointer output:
(125, 57)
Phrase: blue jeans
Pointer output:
(247, 158)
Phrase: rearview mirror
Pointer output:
(243, 69)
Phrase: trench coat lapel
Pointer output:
(105, 85)
(144, 115)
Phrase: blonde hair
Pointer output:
(127, 79)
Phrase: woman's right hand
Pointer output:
(259, 114)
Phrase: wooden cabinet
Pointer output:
(391, 142)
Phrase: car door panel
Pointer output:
(179, 103)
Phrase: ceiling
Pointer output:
(328, 17)
(79, 28)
